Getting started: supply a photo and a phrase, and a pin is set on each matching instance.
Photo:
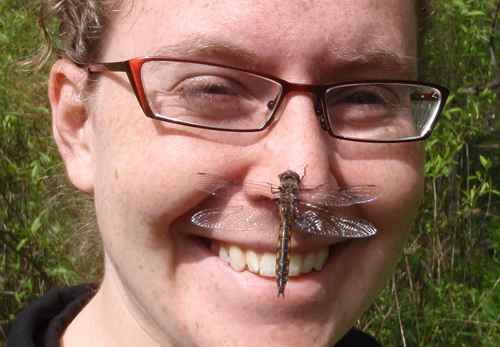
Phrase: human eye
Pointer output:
(219, 101)
(207, 95)
(362, 98)
(210, 89)
(370, 110)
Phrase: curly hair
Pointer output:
(84, 26)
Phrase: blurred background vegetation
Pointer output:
(446, 290)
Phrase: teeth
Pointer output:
(265, 263)
(295, 264)
(223, 254)
(308, 262)
(268, 265)
(253, 262)
(237, 258)
(321, 256)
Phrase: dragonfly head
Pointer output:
(289, 177)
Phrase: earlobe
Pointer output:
(71, 124)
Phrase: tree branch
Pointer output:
(492, 48)
(492, 146)
(494, 84)
(477, 89)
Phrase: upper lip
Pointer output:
(269, 246)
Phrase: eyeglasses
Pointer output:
(227, 98)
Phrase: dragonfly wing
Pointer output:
(228, 188)
(238, 217)
(312, 219)
(340, 196)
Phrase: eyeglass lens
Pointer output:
(382, 111)
(229, 99)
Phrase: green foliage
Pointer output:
(446, 291)
(36, 220)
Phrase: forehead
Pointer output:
(269, 34)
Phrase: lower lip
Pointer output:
(249, 284)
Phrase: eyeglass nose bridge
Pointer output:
(297, 88)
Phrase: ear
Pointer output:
(71, 124)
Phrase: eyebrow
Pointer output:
(381, 57)
(198, 48)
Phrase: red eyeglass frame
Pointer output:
(133, 69)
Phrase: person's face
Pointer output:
(169, 279)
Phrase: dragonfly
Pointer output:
(303, 209)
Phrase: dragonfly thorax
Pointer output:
(289, 186)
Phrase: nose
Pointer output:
(297, 142)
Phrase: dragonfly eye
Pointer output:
(289, 175)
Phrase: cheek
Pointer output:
(134, 170)
(398, 168)
(403, 180)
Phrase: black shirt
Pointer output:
(42, 323)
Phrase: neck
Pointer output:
(108, 321)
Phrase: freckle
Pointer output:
(116, 174)
(140, 267)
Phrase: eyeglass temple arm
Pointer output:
(100, 67)
(122, 66)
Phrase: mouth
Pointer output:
(264, 264)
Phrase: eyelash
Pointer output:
(213, 89)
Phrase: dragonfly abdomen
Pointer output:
(284, 248)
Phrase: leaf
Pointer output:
(35, 225)
(485, 162)
(21, 244)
